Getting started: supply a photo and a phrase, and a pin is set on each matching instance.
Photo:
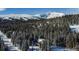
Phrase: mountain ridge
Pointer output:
(28, 16)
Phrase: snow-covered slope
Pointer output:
(8, 45)
(50, 15)
(17, 16)
(27, 16)
(55, 14)
(74, 28)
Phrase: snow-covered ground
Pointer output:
(74, 28)
(57, 48)
(34, 48)
(7, 43)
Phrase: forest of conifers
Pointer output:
(54, 31)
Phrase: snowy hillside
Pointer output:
(27, 16)
(50, 15)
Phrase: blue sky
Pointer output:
(38, 10)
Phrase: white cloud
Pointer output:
(2, 9)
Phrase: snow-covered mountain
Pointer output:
(55, 14)
(27, 16)
(17, 16)
(50, 15)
